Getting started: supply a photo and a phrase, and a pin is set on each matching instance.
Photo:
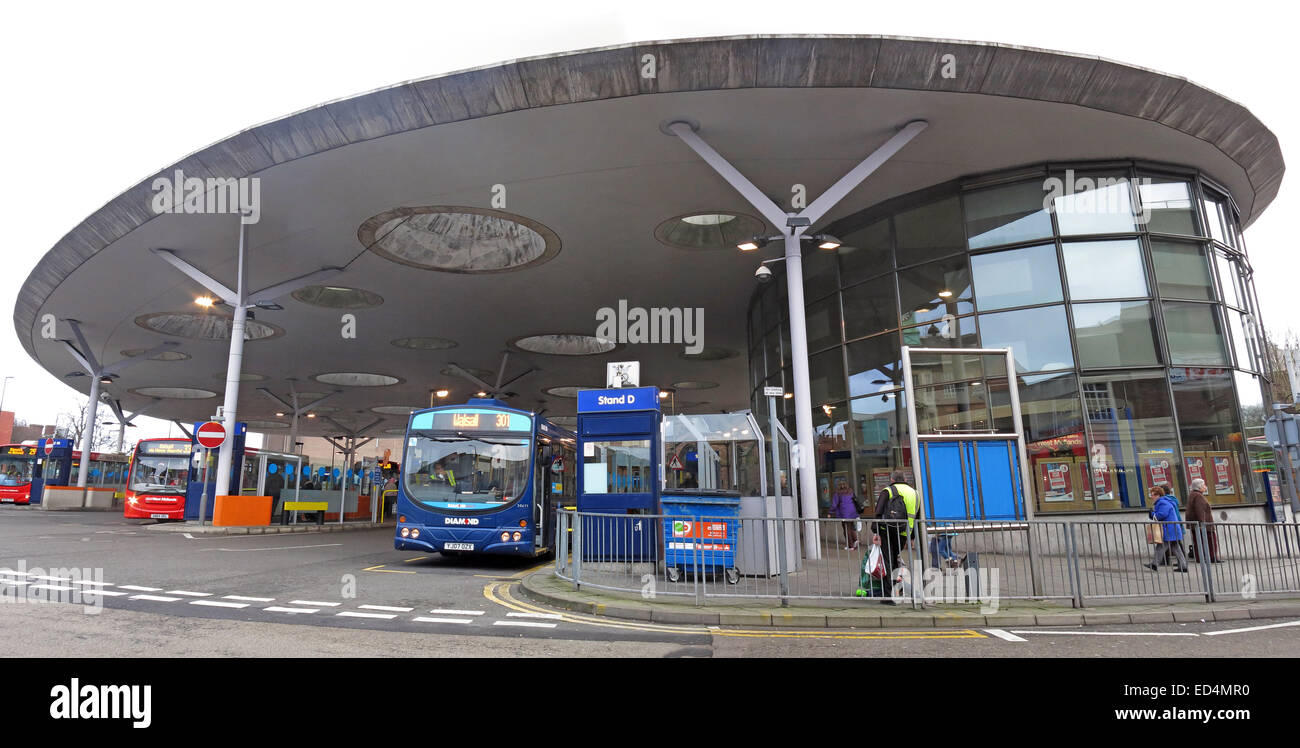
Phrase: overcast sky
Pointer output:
(101, 95)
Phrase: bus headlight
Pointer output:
(415, 533)
(516, 536)
(505, 537)
(406, 532)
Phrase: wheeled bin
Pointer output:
(701, 532)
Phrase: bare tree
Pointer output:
(72, 425)
(1275, 363)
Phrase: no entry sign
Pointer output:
(210, 435)
(49, 447)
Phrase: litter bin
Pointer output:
(701, 532)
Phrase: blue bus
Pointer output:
(483, 478)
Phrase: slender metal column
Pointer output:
(807, 469)
(234, 366)
(88, 432)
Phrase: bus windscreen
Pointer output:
(16, 470)
(159, 474)
(450, 471)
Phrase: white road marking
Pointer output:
(549, 616)
(187, 593)
(15, 582)
(106, 593)
(56, 587)
(275, 609)
(138, 588)
(12, 573)
(52, 579)
(999, 633)
(354, 614)
(155, 598)
(250, 599)
(186, 534)
(449, 612)
(525, 623)
(218, 604)
(386, 607)
(1109, 633)
(426, 619)
(313, 602)
(273, 548)
(93, 584)
(1253, 628)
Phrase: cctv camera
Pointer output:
(763, 274)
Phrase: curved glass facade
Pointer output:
(1123, 290)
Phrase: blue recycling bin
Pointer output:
(701, 531)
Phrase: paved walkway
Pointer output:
(545, 588)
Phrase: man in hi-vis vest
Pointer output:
(889, 532)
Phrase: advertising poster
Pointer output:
(1223, 482)
(1158, 471)
(1195, 468)
(1055, 480)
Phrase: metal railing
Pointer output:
(730, 558)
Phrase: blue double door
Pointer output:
(972, 479)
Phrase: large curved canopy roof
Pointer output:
(397, 186)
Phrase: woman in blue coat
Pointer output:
(1166, 512)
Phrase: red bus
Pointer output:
(17, 464)
(158, 478)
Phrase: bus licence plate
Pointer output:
(6, 500)
(458, 546)
(157, 516)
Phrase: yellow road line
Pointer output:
(499, 593)
(380, 569)
(417, 558)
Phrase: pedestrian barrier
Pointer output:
(1080, 561)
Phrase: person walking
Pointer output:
(1165, 511)
(1198, 510)
(844, 507)
(889, 524)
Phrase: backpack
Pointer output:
(895, 508)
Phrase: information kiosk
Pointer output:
(618, 448)
(53, 466)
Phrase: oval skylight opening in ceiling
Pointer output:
(397, 410)
(338, 297)
(356, 379)
(565, 345)
(174, 393)
(459, 239)
(567, 391)
(425, 344)
(204, 326)
(694, 385)
(159, 356)
(709, 230)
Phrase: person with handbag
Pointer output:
(1165, 511)
(844, 506)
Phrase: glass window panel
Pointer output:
(1105, 270)
(944, 333)
(866, 252)
(875, 365)
(785, 342)
(1210, 428)
(1134, 445)
(820, 275)
(834, 462)
(936, 368)
(772, 310)
(757, 368)
(1039, 338)
(823, 323)
(961, 406)
(1167, 206)
(756, 326)
(931, 292)
(826, 376)
(1219, 215)
(1092, 203)
(1243, 333)
(772, 350)
(1229, 277)
(1019, 277)
(1195, 334)
(1054, 438)
(1260, 455)
(930, 231)
(1182, 271)
(617, 467)
(1114, 334)
(870, 307)
(1006, 215)
(879, 438)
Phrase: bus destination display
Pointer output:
(480, 421)
(165, 448)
